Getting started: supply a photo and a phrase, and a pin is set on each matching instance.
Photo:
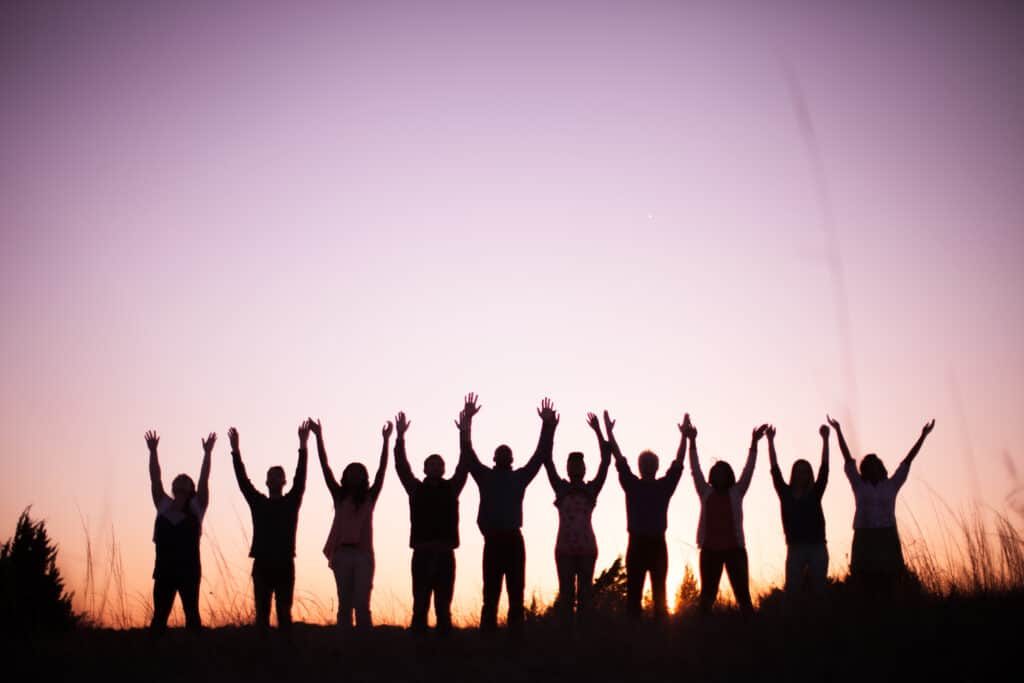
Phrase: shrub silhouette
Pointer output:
(32, 597)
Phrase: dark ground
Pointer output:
(967, 639)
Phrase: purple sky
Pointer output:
(243, 215)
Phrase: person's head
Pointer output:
(433, 466)
(872, 470)
(355, 482)
(183, 488)
(721, 476)
(503, 457)
(647, 463)
(575, 466)
(801, 477)
(276, 480)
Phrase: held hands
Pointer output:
(402, 424)
(770, 433)
(824, 431)
(233, 439)
(304, 430)
(152, 440)
(687, 429)
(386, 430)
(208, 443)
(547, 412)
(315, 427)
(834, 422)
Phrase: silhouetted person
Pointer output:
(349, 547)
(434, 532)
(500, 516)
(720, 530)
(179, 523)
(576, 544)
(803, 520)
(647, 499)
(275, 518)
(876, 559)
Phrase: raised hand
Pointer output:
(401, 424)
(594, 423)
(927, 429)
(824, 431)
(758, 432)
(470, 408)
(547, 412)
(834, 422)
(609, 424)
(315, 427)
(152, 440)
(770, 432)
(386, 430)
(208, 443)
(233, 439)
(304, 429)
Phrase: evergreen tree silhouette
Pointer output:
(32, 596)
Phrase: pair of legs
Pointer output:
(353, 577)
(433, 573)
(734, 561)
(273, 579)
(164, 590)
(575, 579)
(504, 557)
(646, 555)
(809, 558)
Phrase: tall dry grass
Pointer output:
(980, 553)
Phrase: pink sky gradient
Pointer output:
(227, 216)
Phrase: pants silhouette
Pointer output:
(734, 561)
(433, 573)
(810, 556)
(273, 580)
(504, 557)
(575, 579)
(164, 590)
(646, 555)
(353, 577)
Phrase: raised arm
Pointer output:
(299, 482)
(822, 481)
(699, 482)
(155, 482)
(553, 478)
(378, 479)
(675, 468)
(203, 486)
(467, 456)
(748, 469)
(777, 481)
(849, 464)
(900, 475)
(843, 448)
(244, 484)
(597, 483)
(405, 474)
(321, 453)
(626, 476)
(545, 444)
